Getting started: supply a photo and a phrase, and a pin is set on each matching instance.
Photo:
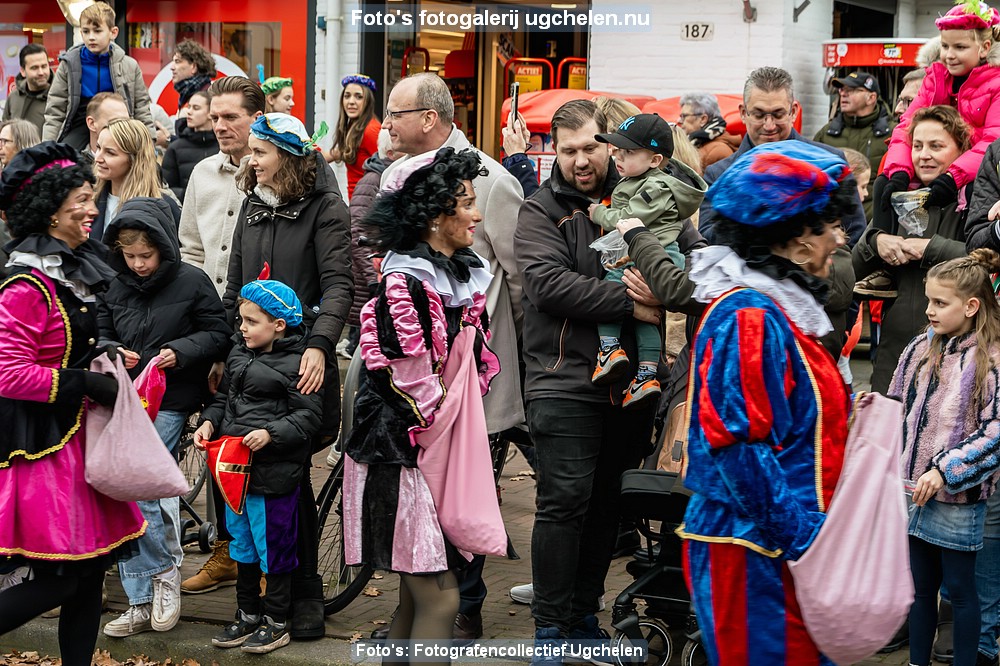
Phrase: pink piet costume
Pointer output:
(407, 330)
(48, 513)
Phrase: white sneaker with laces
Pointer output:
(166, 600)
(133, 621)
(525, 594)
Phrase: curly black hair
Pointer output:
(398, 220)
(33, 207)
(747, 241)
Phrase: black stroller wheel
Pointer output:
(206, 537)
(656, 635)
(694, 654)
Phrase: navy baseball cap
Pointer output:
(858, 80)
(642, 131)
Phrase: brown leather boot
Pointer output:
(218, 571)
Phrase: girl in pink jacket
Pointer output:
(967, 77)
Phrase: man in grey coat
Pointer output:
(31, 87)
(420, 118)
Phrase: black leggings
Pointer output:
(79, 619)
(931, 565)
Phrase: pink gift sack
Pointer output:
(853, 584)
(455, 460)
(125, 458)
(151, 385)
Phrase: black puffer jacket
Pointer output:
(258, 391)
(365, 277)
(307, 244)
(176, 307)
(187, 149)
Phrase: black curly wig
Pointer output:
(33, 207)
(398, 220)
(748, 241)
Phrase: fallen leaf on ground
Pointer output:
(377, 576)
(372, 591)
(517, 478)
(526, 472)
(356, 636)
(190, 662)
(378, 622)
(511, 612)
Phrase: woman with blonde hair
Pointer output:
(616, 110)
(126, 168)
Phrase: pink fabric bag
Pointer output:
(853, 584)
(455, 460)
(125, 458)
(151, 385)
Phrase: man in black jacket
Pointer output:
(583, 439)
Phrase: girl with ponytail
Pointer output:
(948, 378)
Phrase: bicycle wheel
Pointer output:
(694, 654)
(341, 583)
(194, 464)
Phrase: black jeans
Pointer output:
(932, 565)
(277, 600)
(581, 450)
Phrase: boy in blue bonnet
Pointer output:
(258, 400)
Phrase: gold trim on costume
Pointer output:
(817, 431)
(52, 449)
(30, 278)
(232, 467)
(54, 389)
(750, 545)
(67, 557)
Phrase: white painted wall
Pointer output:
(661, 64)
(926, 12)
(350, 57)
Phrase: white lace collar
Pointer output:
(452, 292)
(717, 269)
(51, 266)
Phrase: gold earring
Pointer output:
(54, 223)
(434, 228)
(808, 247)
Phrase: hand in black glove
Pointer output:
(111, 350)
(897, 182)
(102, 389)
(943, 191)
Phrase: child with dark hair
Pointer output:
(259, 400)
(159, 307)
(434, 285)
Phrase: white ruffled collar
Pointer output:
(51, 266)
(452, 292)
(717, 269)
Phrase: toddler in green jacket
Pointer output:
(662, 201)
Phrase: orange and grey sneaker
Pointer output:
(218, 571)
(644, 390)
(612, 365)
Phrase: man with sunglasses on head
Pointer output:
(769, 110)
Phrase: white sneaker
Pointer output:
(166, 600)
(333, 457)
(133, 621)
(342, 349)
(525, 594)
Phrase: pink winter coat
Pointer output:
(978, 104)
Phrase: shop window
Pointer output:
(238, 48)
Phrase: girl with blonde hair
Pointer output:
(126, 168)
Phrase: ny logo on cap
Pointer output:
(627, 123)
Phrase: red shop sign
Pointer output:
(849, 53)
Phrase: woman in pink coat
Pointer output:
(967, 77)
(57, 534)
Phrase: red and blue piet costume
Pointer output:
(768, 425)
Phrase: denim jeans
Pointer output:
(988, 578)
(581, 450)
(160, 546)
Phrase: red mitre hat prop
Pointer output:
(229, 462)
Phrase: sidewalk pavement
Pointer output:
(201, 615)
